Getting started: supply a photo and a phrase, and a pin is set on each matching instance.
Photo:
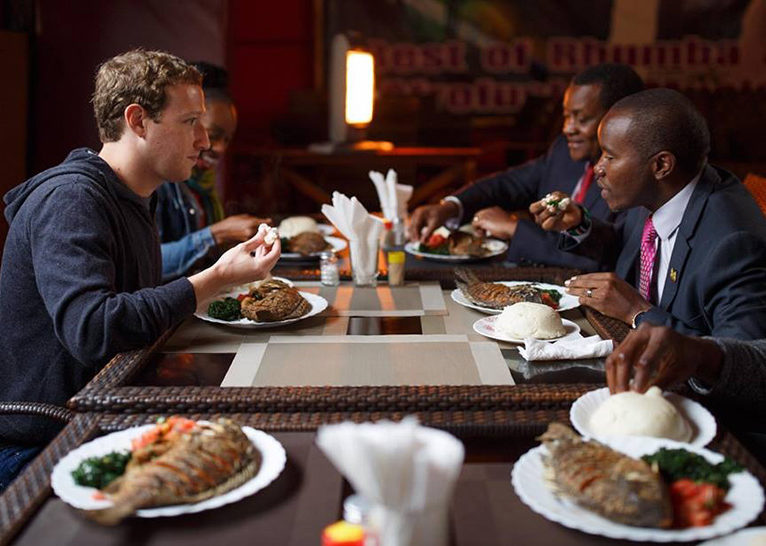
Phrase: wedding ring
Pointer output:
(588, 292)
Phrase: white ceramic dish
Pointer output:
(318, 304)
(337, 244)
(745, 497)
(495, 247)
(701, 420)
(274, 460)
(566, 302)
(486, 327)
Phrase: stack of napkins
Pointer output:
(393, 197)
(407, 471)
(360, 228)
(571, 347)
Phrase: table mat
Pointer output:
(196, 335)
(368, 360)
(412, 299)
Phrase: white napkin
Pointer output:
(571, 347)
(361, 229)
(393, 197)
(407, 471)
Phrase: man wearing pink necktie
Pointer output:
(693, 241)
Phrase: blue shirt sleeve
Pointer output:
(178, 256)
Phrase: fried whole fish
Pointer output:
(272, 301)
(613, 485)
(491, 294)
(208, 460)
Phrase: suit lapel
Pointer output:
(686, 230)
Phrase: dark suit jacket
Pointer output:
(716, 284)
(519, 187)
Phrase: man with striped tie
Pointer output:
(691, 253)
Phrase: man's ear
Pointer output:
(136, 119)
(663, 164)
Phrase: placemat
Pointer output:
(412, 299)
(368, 360)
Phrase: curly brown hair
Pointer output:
(136, 77)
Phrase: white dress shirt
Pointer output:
(666, 220)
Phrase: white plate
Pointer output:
(495, 247)
(701, 420)
(486, 327)
(274, 459)
(566, 302)
(745, 497)
(337, 244)
(318, 304)
(752, 536)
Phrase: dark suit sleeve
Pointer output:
(511, 190)
(602, 245)
(731, 290)
(742, 383)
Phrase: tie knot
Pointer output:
(650, 234)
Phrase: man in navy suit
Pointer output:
(691, 253)
(567, 166)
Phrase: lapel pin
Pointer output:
(673, 274)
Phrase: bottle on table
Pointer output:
(393, 251)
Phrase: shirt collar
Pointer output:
(667, 218)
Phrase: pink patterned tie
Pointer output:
(648, 252)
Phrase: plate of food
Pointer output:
(598, 415)
(635, 488)
(492, 297)
(456, 246)
(303, 238)
(525, 320)
(270, 304)
(118, 475)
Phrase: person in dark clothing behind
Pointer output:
(81, 275)
(567, 166)
(691, 252)
(190, 215)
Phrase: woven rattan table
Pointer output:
(308, 494)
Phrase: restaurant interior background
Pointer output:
(474, 74)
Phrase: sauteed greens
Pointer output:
(99, 472)
(675, 464)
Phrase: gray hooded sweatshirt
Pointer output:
(79, 283)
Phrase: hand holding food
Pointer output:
(657, 355)
(556, 212)
(426, 219)
(236, 228)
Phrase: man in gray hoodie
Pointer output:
(81, 275)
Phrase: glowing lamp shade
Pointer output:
(360, 87)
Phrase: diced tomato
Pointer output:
(98, 495)
(241, 297)
(696, 504)
(548, 300)
(435, 240)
